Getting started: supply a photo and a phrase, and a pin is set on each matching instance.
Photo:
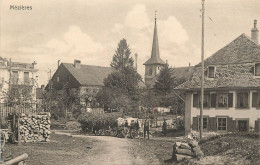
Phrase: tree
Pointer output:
(121, 86)
(121, 58)
(164, 82)
(165, 93)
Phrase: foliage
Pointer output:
(121, 86)
(90, 121)
(164, 82)
(121, 58)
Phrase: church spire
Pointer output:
(155, 54)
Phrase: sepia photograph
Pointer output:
(134, 82)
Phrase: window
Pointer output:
(195, 100)
(257, 69)
(205, 123)
(15, 77)
(223, 100)
(255, 99)
(211, 71)
(242, 100)
(150, 71)
(222, 124)
(26, 77)
(58, 79)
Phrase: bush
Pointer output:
(95, 121)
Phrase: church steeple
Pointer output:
(155, 54)
(154, 64)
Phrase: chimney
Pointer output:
(254, 32)
(77, 64)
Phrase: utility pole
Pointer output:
(202, 71)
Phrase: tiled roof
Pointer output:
(181, 73)
(234, 67)
(88, 74)
(227, 76)
(240, 50)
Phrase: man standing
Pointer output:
(146, 128)
(164, 127)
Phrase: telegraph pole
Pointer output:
(202, 71)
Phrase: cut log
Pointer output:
(185, 152)
(180, 157)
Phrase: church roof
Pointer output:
(155, 54)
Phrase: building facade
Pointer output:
(232, 88)
(17, 81)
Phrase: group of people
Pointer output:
(134, 126)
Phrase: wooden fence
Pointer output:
(5, 110)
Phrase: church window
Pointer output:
(150, 71)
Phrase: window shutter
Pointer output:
(195, 100)
(213, 98)
(254, 99)
(195, 123)
(230, 100)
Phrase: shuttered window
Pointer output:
(242, 100)
(222, 100)
(222, 124)
(254, 99)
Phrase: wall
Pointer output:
(250, 113)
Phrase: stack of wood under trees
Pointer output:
(35, 128)
(188, 150)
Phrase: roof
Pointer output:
(89, 74)
(226, 76)
(155, 54)
(234, 67)
(181, 74)
(240, 50)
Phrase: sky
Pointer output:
(90, 30)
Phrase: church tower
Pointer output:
(155, 63)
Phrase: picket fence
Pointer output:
(5, 110)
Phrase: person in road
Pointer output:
(164, 127)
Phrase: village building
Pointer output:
(86, 80)
(15, 76)
(232, 88)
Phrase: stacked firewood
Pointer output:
(35, 128)
(189, 150)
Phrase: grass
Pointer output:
(61, 150)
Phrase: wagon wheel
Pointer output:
(99, 132)
(3, 139)
(107, 132)
(113, 132)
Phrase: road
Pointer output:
(112, 151)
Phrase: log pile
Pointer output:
(189, 150)
(35, 128)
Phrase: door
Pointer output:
(242, 125)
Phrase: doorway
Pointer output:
(242, 125)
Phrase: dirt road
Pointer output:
(111, 150)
